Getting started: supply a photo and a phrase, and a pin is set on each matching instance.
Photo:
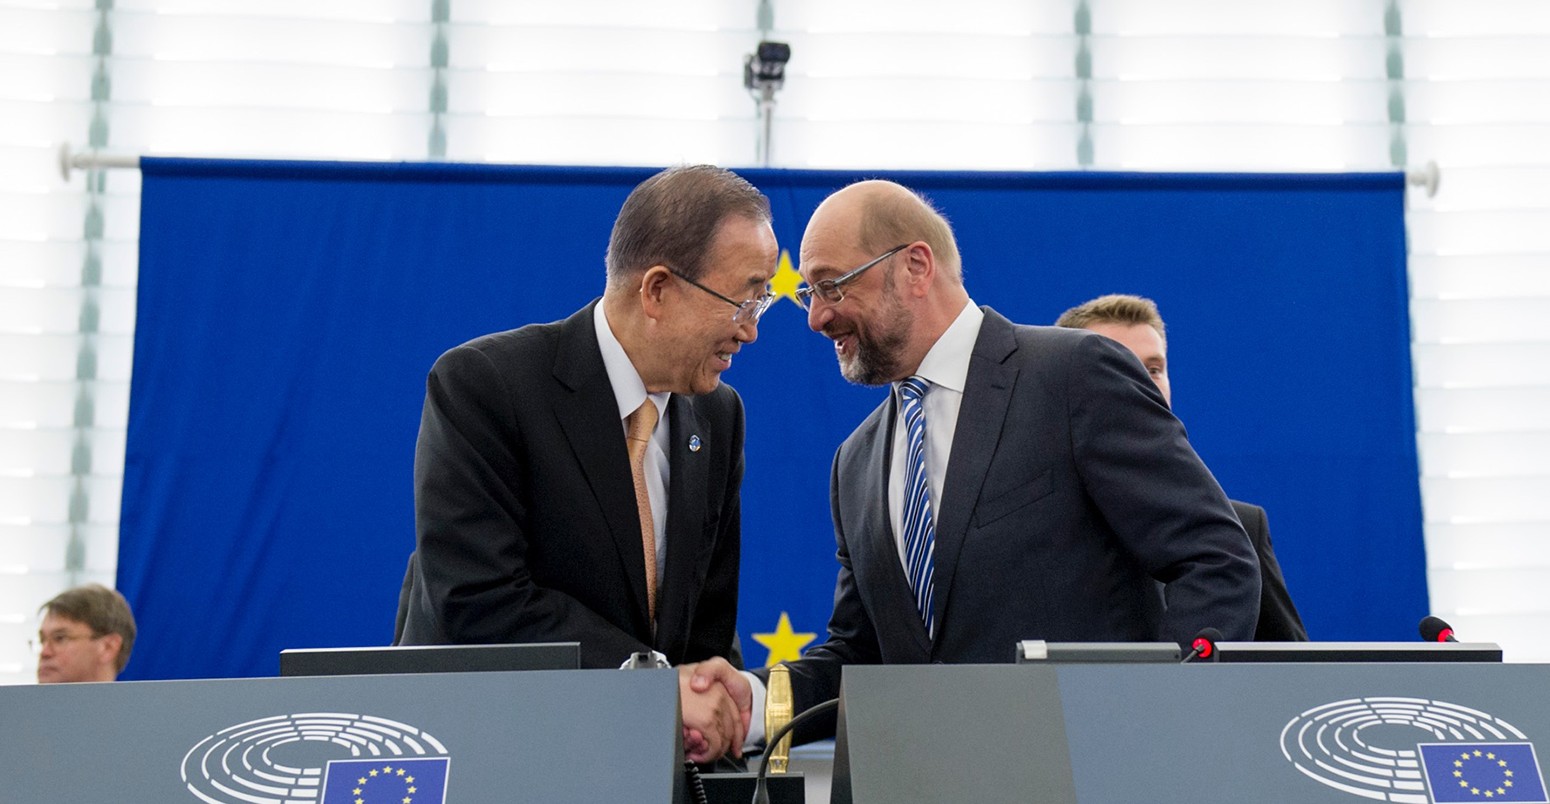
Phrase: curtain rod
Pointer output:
(1427, 176)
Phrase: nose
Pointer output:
(818, 313)
(747, 331)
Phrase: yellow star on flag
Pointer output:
(786, 279)
(785, 645)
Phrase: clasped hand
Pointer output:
(717, 709)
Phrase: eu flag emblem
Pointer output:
(1482, 772)
(386, 780)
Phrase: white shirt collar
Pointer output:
(947, 364)
(629, 389)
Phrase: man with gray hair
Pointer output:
(580, 480)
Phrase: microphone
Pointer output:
(1204, 646)
(1436, 629)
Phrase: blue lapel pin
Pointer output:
(694, 443)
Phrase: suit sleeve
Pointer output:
(815, 678)
(475, 583)
(1278, 618)
(714, 631)
(1158, 497)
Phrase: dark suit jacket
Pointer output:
(1278, 619)
(1074, 509)
(525, 519)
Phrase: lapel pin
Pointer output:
(694, 443)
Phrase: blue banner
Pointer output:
(289, 311)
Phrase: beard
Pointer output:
(875, 358)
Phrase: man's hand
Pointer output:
(717, 708)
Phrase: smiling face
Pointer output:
(700, 335)
(1147, 345)
(870, 326)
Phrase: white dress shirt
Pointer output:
(946, 367)
(629, 393)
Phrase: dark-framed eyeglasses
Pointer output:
(747, 312)
(833, 290)
(58, 640)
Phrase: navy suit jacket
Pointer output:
(1073, 509)
(1278, 618)
(525, 518)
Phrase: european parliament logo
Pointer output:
(1369, 747)
(318, 758)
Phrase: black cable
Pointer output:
(696, 786)
(761, 792)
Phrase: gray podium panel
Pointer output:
(1315, 733)
(551, 736)
(1306, 733)
(950, 733)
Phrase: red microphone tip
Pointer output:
(1204, 647)
(1444, 634)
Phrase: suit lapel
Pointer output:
(589, 415)
(986, 395)
(874, 537)
(686, 504)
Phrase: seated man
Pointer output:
(86, 635)
(1134, 322)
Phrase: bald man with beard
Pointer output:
(1052, 494)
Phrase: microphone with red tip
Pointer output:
(1204, 646)
(1436, 629)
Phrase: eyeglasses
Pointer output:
(833, 290)
(58, 641)
(747, 312)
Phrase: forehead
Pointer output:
(831, 243)
(59, 622)
(743, 245)
(829, 259)
(1141, 339)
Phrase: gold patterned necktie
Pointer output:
(640, 424)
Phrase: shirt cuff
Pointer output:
(756, 723)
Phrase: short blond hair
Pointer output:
(1115, 308)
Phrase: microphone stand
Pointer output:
(761, 792)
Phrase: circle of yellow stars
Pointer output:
(1488, 756)
(388, 771)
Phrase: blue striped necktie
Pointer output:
(919, 529)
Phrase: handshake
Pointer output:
(717, 704)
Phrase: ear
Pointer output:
(920, 265)
(109, 647)
(653, 287)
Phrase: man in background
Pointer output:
(1134, 322)
(580, 480)
(86, 634)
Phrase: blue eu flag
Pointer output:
(1481, 772)
(386, 780)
